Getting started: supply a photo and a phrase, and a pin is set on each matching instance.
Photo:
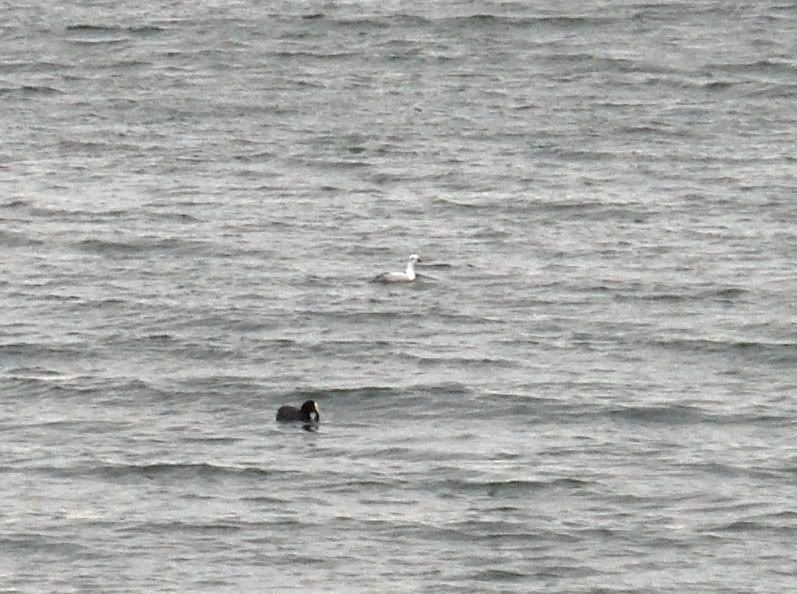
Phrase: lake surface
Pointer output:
(590, 387)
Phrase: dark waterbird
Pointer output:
(307, 413)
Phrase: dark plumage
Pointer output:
(306, 413)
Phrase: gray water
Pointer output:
(590, 387)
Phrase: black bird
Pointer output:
(306, 413)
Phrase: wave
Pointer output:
(724, 294)
(779, 352)
(766, 66)
(745, 525)
(657, 129)
(114, 41)
(137, 29)
(16, 203)
(476, 20)
(180, 217)
(92, 28)
(680, 414)
(582, 62)
(31, 349)
(13, 239)
(123, 64)
(773, 90)
(560, 21)
(733, 471)
(719, 85)
(39, 544)
(161, 471)
(111, 247)
(498, 575)
(178, 526)
(30, 91)
(469, 362)
(332, 393)
(494, 488)
(40, 90)
(92, 147)
(486, 20)
(39, 66)
(220, 526)
(313, 55)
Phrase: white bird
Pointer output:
(399, 277)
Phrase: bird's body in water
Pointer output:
(307, 413)
(399, 277)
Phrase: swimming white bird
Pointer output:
(399, 277)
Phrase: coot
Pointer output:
(306, 413)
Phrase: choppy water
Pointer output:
(591, 387)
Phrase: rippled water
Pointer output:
(589, 388)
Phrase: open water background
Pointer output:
(591, 387)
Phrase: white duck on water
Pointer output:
(399, 277)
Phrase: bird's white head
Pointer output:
(411, 266)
